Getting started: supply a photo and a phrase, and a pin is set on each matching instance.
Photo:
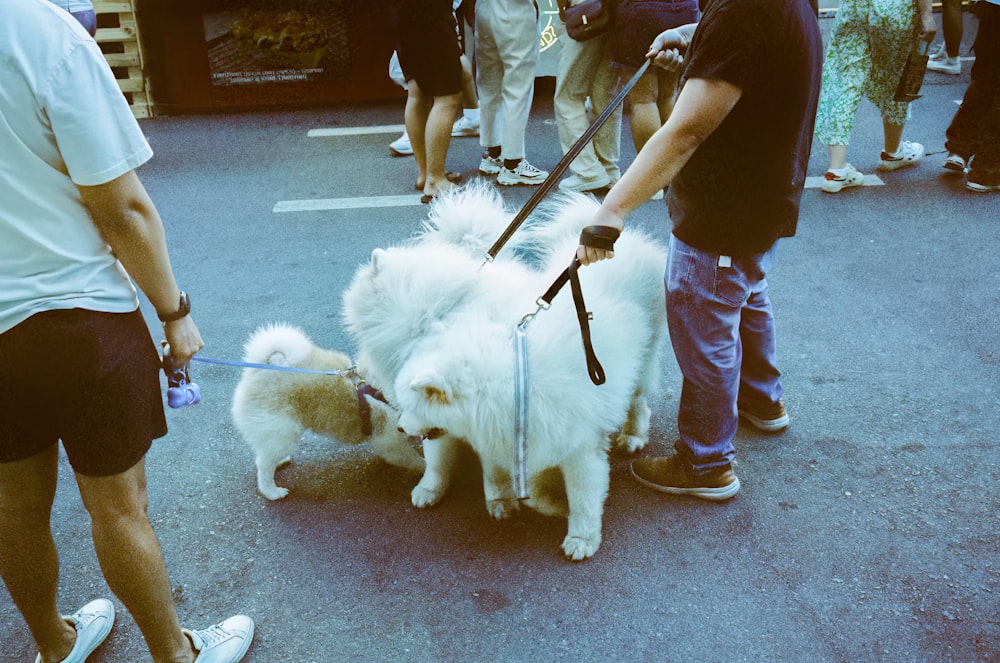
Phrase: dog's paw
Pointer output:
(578, 549)
(502, 509)
(273, 492)
(423, 497)
(630, 443)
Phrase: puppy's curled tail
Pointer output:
(278, 344)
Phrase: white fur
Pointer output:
(437, 325)
(272, 409)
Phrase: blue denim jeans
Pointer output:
(722, 331)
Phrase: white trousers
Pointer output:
(507, 44)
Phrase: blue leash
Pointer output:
(270, 367)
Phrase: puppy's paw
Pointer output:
(423, 497)
(578, 549)
(502, 509)
(273, 492)
(630, 443)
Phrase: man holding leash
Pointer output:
(77, 363)
(734, 154)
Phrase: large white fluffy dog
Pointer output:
(272, 409)
(430, 318)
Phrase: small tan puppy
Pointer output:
(273, 408)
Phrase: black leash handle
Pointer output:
(583, 316)
(563, 164)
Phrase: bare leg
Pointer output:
(951, 25)
(470, 98)
(29, 562)
(437, 137)
(418, 107)
(893, 133)
(838, 157)
(131, 559)
(644, 116)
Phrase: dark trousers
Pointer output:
(975, 129)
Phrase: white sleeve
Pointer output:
(98, 137)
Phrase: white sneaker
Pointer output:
(946, 66)
(908, 154)
(401, 146)
(576, 183)
(523, 173)
(225, 642)
(956, 163)
(939, 53)
(834, 183)
(464, 127)
(93, 623)
(490, 165)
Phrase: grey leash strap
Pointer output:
(521, 410)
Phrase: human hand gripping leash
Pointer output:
(181, 391)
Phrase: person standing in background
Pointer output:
(868, 50)
(507, 47)
(584, 70)
(638, 22)
(945, 59)
(973, 137)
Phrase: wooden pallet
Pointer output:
(118, 37)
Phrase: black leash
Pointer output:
(601, 237)
(563, 164)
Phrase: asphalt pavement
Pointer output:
(869, 531)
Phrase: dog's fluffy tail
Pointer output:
(278, 344)
(471, 216)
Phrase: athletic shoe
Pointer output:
(401, 146)
(939, 53)
(464, 128)
(523, 173)
(673, 475)
(582, 184)
(770, 418)
(974, 181)
(225, 642)
(907, 155)
(92, 622)
(834, 183)
(955, 162)
(945, 66)
(490, 165)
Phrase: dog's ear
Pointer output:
(377, 255)
(433, 387)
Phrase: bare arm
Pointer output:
(701, 107)
(128, 221)
(927, 25)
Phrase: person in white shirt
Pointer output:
(77, 363)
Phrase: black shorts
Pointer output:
(427, 44)
(87, 378)
(640, 21)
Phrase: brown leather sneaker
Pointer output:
(673, 475)
(768, 418)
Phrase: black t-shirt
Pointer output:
(740, 191)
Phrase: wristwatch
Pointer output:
(182, 309)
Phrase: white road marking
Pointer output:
(357, 131)
(326, 204)
(870, 180)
